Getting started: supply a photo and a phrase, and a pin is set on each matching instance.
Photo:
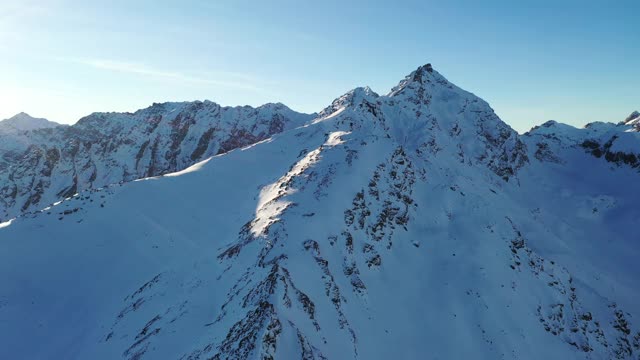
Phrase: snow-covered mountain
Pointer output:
(46, 165)
(633, 120)
(614, 143)
(24, 122)
(409, 225)
(16, 134)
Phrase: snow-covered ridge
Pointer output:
(17, 133)
(46, 164)
(24, 122)
(633, 120)
(615, 143)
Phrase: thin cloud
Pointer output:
(13, 19)
(14, 13)
(242, 81)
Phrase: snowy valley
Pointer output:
(411, 225)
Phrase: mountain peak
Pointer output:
(633, 118)
(350, 98)
(21, 116)
(422, 77)
(362, 92)
(25, 122)
(421, 71)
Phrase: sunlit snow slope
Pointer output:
(415, 225)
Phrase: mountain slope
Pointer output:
(106, 148)
(411, 225)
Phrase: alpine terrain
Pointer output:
(411, 225)
(51, 163)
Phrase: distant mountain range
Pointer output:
(411, 225)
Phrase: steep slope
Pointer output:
(47, 165)
(411, 225)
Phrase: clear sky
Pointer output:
(572, 61)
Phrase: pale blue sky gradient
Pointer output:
(572, 61)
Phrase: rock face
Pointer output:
(409, 225)
(47, 164)
(633, 120)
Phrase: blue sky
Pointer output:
(570, 61)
